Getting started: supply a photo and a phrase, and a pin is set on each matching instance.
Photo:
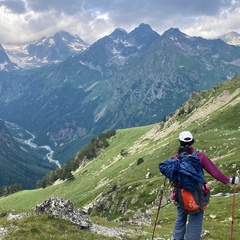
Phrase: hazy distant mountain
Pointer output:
(232, 38)
(5, 63)
(46, 50)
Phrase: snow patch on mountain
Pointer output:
(91, 66)
(2, 65)
(100, 114)
(235, 62)
(92, 86)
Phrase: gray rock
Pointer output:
(64, 209)
(17, 216)
(3, 214)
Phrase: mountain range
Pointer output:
(122, 80)
(61, 45)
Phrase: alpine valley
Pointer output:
(65, 92)
(118, 193)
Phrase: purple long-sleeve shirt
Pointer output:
(211, 168)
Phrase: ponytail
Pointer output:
(185, 147)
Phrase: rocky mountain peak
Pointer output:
(174, 34)
(46, 50)
(143, 28)
(232, 38)
(143, 35)
(70, 39)
(5, 62)
(118, 33)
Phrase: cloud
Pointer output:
(67, 7)
(91, 19)
(14, 6)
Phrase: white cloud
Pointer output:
(213, 26)
(28, 20)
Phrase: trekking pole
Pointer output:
(233, 206)
(159, 206)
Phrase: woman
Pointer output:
(193, 229)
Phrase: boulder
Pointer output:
(64, 209)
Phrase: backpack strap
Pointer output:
(195, 153)
(185, 153)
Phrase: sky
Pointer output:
(24, 21)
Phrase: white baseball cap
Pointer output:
(185, 136)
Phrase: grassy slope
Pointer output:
(214, 120)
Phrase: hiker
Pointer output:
(192, 230)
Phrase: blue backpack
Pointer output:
(183, 169)
(186, 173)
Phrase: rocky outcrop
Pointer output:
(64, 209)
(142, 218)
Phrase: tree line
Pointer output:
(7, 190)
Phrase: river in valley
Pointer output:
(22, 135)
